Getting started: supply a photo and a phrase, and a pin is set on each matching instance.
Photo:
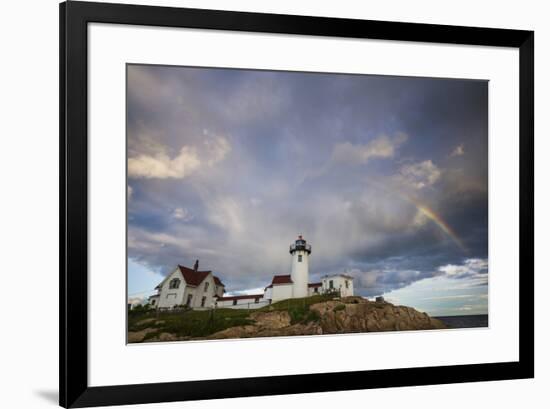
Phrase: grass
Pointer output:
(198, 324)
(298, 308)
(189, 323)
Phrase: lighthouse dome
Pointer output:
(300, 245)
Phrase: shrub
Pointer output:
(312, 316)
(141, 308)
(297, 314)
(339, 307)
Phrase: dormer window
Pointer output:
(174, 283)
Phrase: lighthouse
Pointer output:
(299, 274)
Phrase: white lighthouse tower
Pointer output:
(299, 274)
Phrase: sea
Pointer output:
(466, 321)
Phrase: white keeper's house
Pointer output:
(189, 287)
(201, 289)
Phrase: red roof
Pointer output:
(310, 285)
(217, 281)
(239, 297)
(284, 279)
(193, 277)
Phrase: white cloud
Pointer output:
(161, 166)
(381, 147)
(458, 151)
(420, 175)
(216, 149)
(472, 268)
(136, 300)
(454, 297)
(248, 291)
(228, 214)
(189, 159)
(182, 214)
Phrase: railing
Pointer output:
(295, 247)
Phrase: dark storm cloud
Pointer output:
(228, 166)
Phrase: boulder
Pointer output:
(243, 331)
(271, 319)
(138, 336)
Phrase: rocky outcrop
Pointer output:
(269, 324)
(355, 314)
(347, 315)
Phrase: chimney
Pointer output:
(196, 266)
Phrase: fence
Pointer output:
(245, 305)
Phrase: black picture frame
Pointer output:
(73, 380)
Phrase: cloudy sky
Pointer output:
(386, 177)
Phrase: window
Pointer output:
(257, 300)
(203, 300)
(234, 302)
(189, 298)
(331, 284)
(316, 289)
(153, 302)
(206, 286)
(174, 283)
(299, 258)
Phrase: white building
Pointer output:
(281, 288)
(188, 287)
(337, 283)
(201, 289)
(242, 301)
(314, 289)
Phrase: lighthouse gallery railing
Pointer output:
(306, 247)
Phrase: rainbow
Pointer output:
(430, 214)
(438, 220)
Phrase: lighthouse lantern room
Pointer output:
(299, 274)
